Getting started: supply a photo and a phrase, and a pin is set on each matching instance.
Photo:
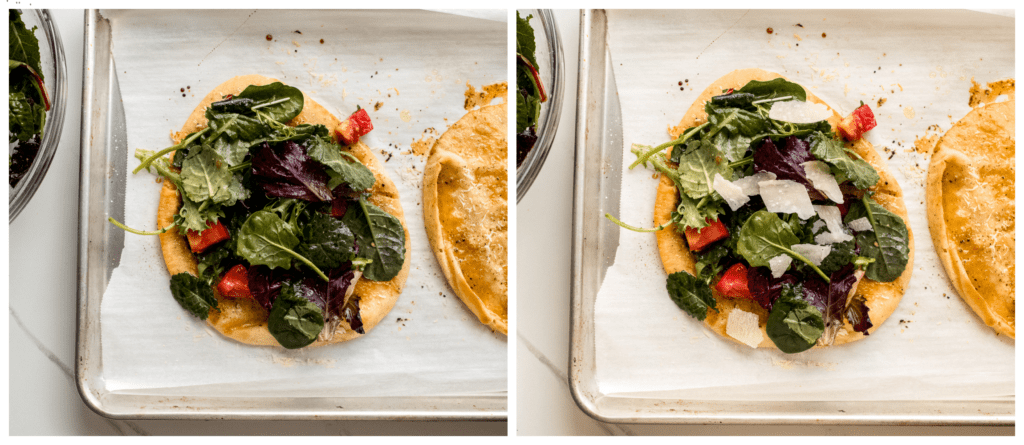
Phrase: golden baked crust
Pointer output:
(882, 298)
(970, 195)
(465, 211)
(244, 319)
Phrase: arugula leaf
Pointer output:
(193, 294)
(327, 242)
(232, 135)
(697, 169)
(205, 177)
(774, 88)
(23, 45)
(287, 172)
(380, 237)
(793, 324)
(887, 243)
(294, 321)
(691, 294)
(857, 171)
(342, 167)
(765, 236)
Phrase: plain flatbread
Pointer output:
(244, 319)
(882, 298)
(971, 211)
(465, 211)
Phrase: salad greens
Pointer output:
(27, 99)
(801, 267)
(295, 211)
(530, 93)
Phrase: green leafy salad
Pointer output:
(779, 211)
(530, 93)
(27, 98)
(278, 214)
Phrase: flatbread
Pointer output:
(970, 196)
(881, 298)
(244, 319)
(465, 211)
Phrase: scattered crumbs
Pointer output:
(405, 115)
(846, 90)
(425, 143)
(881, 101)
(487, 94)
(799, 25)
(926, 144)
(297, 45)
(770, 30)
(298, 32)
(321, 41)
(823, 35)
(270, 37)
(797, 36)
(908, 111)
(376, 106)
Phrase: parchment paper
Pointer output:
(409, 69)
(933, 347)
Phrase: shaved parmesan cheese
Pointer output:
(817, 225)
(813, 252)
(861, 224)
(821, 178)
(745, 327)
(799, 112)
(732, 193)
(785, 196)
(834, 221)
(749, 183)
(780, 265)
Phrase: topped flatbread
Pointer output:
(244, 319)
(881, 297)
(971, 208)
(465, 211)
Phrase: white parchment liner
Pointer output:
(933, 347)
(417, 65)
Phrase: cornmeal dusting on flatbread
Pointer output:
(881, 298)
(970, 195)
(465, 211)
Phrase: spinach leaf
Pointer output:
(887, 243)
(793, 324)
(266, 239)
(697, 169)
(23, 45)
(327, 242)
(765, 236)
(773, 89)
(204, 176)
(232, 135)
(287, 172)
(193, 294)
(342, 167)
(294, 321)
(691, 294)
(275, 101)
(857, 171)
(380, 237)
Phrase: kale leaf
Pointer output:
(380, 238)
(294, 321)
(193, 294)
(691, 294)
(887, 243)
(794, 325)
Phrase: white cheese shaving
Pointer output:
(749, 183)
(821, 178)
(834, 221)
(744, 326)
(732, 193)
(817, 225)
(785, 196)
(861, 225)
(780, 265)
(813, 252)
(799, 112)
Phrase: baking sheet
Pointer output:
(932, 347)
(429, 344)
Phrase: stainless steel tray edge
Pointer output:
(100, 95)
(595, 146)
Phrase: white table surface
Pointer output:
(544, 229)
(43, 397)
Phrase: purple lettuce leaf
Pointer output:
(857, 314)
(351, 314)
(785, 163)
(765, 288)
(265, 283)
(287, 172)
(830, 298)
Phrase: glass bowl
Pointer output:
(551, 66)
(51, 54)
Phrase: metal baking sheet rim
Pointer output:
(97, 81)
(589, 137)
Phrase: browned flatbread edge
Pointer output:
(376, 298)
(882, 298)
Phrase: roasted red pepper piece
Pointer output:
(854, 126)
(200, 241)
(356, 126)
(733, 283)
(698, 239)
(235, 283)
